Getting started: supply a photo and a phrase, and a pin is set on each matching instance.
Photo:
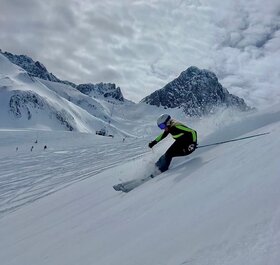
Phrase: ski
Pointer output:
(128, 186)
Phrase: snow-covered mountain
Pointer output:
(37, 69)
(107, 90)
(197, 92)
(220, 205)
(34, 98)
(33, 68)
(31, 102)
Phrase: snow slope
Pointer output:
(218, 206)
(35, 105)
(29, 102)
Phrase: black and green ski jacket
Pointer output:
(178, 130)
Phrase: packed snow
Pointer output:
(57, 205)
(220, 205)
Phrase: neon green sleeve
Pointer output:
(161, 136)
(186, 129)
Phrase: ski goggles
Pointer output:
(162, 126)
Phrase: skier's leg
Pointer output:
(178, 148)
(165, 160)
(163, 163)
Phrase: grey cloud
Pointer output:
(107, 24)
(108, 73)
(142, 44)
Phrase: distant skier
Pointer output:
(185, 140)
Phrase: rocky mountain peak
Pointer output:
(107, 90)
(33, 68)
(197, 91)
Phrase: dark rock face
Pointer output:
(197, 91)
(24, 104)
(106, 90)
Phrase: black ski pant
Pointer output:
(181, 147)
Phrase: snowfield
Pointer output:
(220, 205)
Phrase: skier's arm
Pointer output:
(162, 136)
(158, 139)
(184, 129)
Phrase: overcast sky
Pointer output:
(140, 45)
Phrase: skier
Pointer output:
(185, 140)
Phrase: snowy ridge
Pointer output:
(29, 102)
(35, 69)
(217, 206)
(106, 90)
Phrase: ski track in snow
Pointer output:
(42, 174)
(218, 206)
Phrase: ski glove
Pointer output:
(151, 144)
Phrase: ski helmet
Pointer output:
(163, 120)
